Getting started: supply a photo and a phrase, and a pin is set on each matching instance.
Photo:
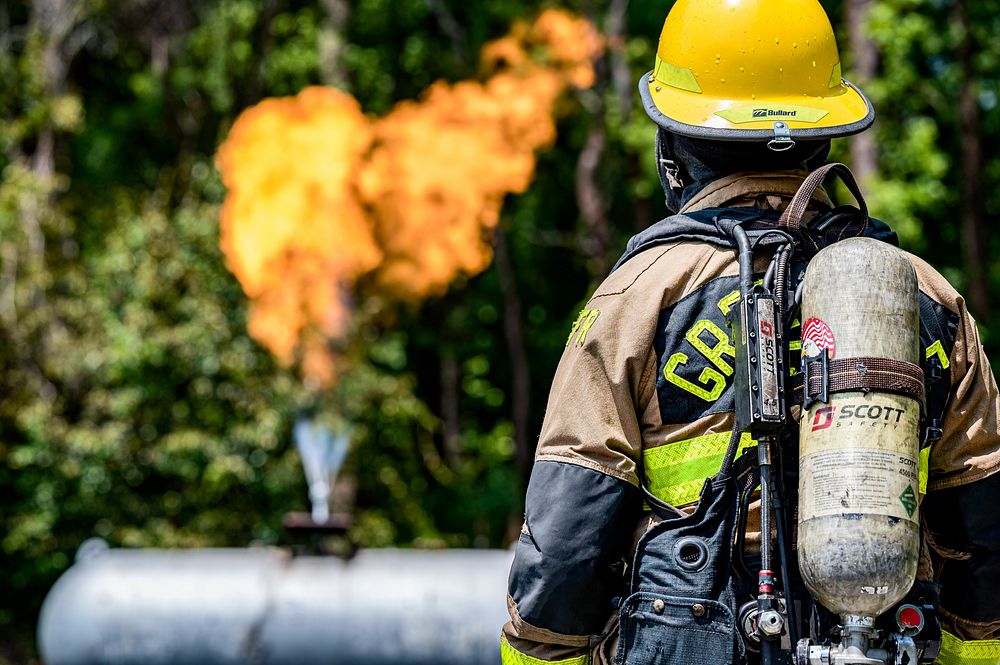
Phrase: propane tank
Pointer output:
(858, 528)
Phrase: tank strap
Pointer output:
(852, 374)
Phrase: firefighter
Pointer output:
(746, 96)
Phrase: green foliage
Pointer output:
(919, 188)
(136, 407)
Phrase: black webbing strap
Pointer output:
(936, 387)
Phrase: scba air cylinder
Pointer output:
(858, 535)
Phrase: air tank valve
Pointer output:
(854, 648)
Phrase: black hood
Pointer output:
(700, 162)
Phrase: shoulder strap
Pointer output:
(712, 226)
(934, 321)
(793, 214)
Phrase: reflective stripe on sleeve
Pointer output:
(974, 652)
(676, 472)
(924, 468)
(511, 656)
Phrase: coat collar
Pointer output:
(768, 191)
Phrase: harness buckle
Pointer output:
(808, 396)
(933, 432)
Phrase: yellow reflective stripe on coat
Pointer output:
(511, 656)
(676, 472)
(974, 652)
(923, 469)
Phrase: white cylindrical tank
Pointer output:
(266, 607)
(859, 535)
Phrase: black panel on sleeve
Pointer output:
(567, 570)
(966, 519)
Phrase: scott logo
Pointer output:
(823, 418)
(766, 113)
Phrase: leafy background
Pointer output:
(136, 408)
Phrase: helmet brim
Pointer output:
(846, 111)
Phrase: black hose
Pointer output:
(796, 303)
(774, 232)
(765, 452)
(778, 504)
(775, 480)
(769, 275)
(742, 519)
(767, 652)
(781, 279)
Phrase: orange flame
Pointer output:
(443, 165)
(293, 229)
(319, 195)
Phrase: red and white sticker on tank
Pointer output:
(816, 336)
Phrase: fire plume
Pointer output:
(320, 195)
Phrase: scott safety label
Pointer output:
(860, 456)
(859, 481)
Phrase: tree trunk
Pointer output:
(54, 21)
(519, 366)
(452, 28)
(864, 153)
(590, 199)
(450, 376)
(974, 229)
(621, 74)
(332, 43)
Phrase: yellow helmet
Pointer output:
(745, 70)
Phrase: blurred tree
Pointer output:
(938, 71)
(974, 227)
(864, 52)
